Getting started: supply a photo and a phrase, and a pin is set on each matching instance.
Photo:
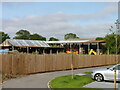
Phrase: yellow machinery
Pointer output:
(95, 53)
(72, 51)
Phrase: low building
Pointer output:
(76, 46)
(28, 46)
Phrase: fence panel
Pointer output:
(15, 61)
(29, 63)
(7, 64)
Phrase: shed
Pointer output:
(28, 44)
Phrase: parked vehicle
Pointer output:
(107, 73)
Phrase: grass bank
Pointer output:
(67, 82)
(87, 73)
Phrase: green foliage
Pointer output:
(3, 36)
(87, 73)
(22, 34)
(53, 39)
(99, 38)
(111, 43)
(53, 45)
(70, 36)
(36, 52)
(37, 37)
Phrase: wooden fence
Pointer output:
(28, 63)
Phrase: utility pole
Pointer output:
(116, 38)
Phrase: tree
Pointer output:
(22, 34)
(99, 38)
(3, 36)
(37, 37)
(70, 36)
(53, 39)
(111, 43)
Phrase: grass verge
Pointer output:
(67, 82)
(87, 73)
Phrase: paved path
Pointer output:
(41, 80)
(104, 84)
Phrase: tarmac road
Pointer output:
(104, 84)
(40, 80)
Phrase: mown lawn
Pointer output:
(87, 73)
(67, 82)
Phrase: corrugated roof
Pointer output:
(80, 41)
(95, 41)
(28, 43)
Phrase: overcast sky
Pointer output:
(86, 19)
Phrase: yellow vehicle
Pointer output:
(93, 52)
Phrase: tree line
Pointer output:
(26, 35)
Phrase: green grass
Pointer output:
(87, 73)
(67, 82)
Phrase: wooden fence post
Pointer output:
(114, 79)
(72, 67)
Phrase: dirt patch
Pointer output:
(10, 76)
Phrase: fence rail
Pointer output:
(28, 63)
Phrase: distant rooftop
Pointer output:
(24, 43)
(70, 41)
(94, 41)
(38, 43)
(77, 39)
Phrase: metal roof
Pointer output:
(37, 43)
(95, 41)
(28, 43)
(78, 41)
(58, 42)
